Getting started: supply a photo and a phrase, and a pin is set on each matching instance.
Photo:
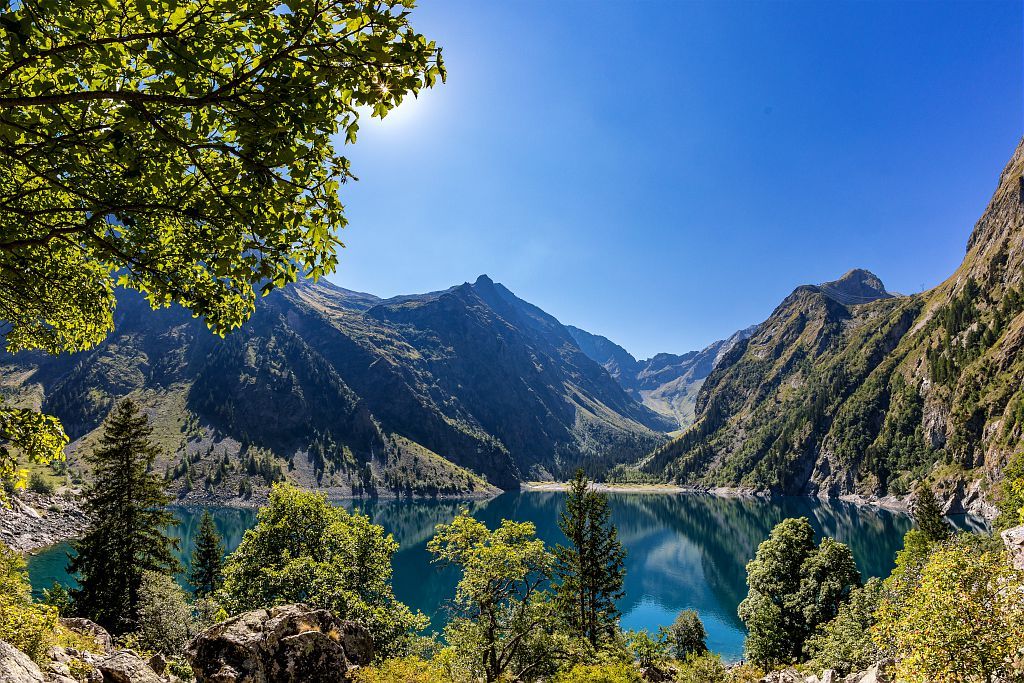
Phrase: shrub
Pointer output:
(687, 636)
(37, 483)
(702, 668)
(30, 627)
(620, 672)
(303, 549)
(959, 618)
(164, 615)
(406, 669)
(845, 643)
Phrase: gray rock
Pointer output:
(287, 644)
(1014, 541)
(90, 629)
(830, 676)
(16, 667)
(877, 673)
(784, 676)
(124, 666)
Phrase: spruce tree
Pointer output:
(590, 571)
(127, 504)
(206, 574)
(928, 514)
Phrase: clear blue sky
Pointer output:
(664, 173)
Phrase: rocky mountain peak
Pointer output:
(857, 286)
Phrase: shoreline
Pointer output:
(891, 503)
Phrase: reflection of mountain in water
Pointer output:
(684, 551)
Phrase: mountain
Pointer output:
(846, 389)
(666, 383)
(344, 391)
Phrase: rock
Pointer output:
(287, 644)
(877, 673)
(16, 667)
(785, 676)
(830, 676)
(158, 664)
(124, 666)
(1013, 539)
(36, 520)
(90, 629)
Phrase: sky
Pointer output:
(665, 173)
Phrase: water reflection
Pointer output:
(684, 551)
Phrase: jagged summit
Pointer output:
(858, 286)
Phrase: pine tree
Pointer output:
(206, 574)
(126, 537)
(591, 570)
(928, 514)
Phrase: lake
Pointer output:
(685, 551)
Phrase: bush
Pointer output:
(958, 618)
(648, 651)
(165, 616)
(58, 597)
(37, 483)
(621, 672)
(845, 643)
(687, 636)
(303, 549)
(702, 668)
(30, 627)
(406, 669)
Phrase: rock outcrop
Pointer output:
(877, 673)
(287, 644)
(90, 629)
(1014, 541)
(34, 521)
(16, 667)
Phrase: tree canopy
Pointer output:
(182, 148)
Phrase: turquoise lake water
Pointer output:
(684, 551)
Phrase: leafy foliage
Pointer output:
(845, 643)
(600, 673)
(27, 626)
(126, 536)
(794, 587)
(165, 616)
(500, 611)
(1011, 494)
(590, 571)
(182, 149)
(959, 618)
(687, 635)
(303, 549)
(406, 669)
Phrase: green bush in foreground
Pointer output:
(303, 549)
(27, 626)
(600, 673)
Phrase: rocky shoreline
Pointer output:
(32, 521)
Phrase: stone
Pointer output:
(286, 644)
(830, 676)
(90, 629)
(16, 667)
(1013, 539)
(124, 666)
(784, 676)
(158, 664)
(877, 673)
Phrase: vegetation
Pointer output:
(795, 587)
(165, 616)
(27, 626)
(501, 615)
(303, 549)
(686, 635)
(1011, 494)
(590, 570)
(214, 128)
(126, 537)
(959, 617)
(928, 514)
(206, 573)
(845, 643)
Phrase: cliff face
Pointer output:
(341, 390)
(846, 389)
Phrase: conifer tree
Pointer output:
(126, 538)
(590, 571)
(928, 514)
(207, 572)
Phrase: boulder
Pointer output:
(16, 667)
(877, 673)
(785, 676)
(286, 644)
(90, 629)
(1013, 539)
(124, 666)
